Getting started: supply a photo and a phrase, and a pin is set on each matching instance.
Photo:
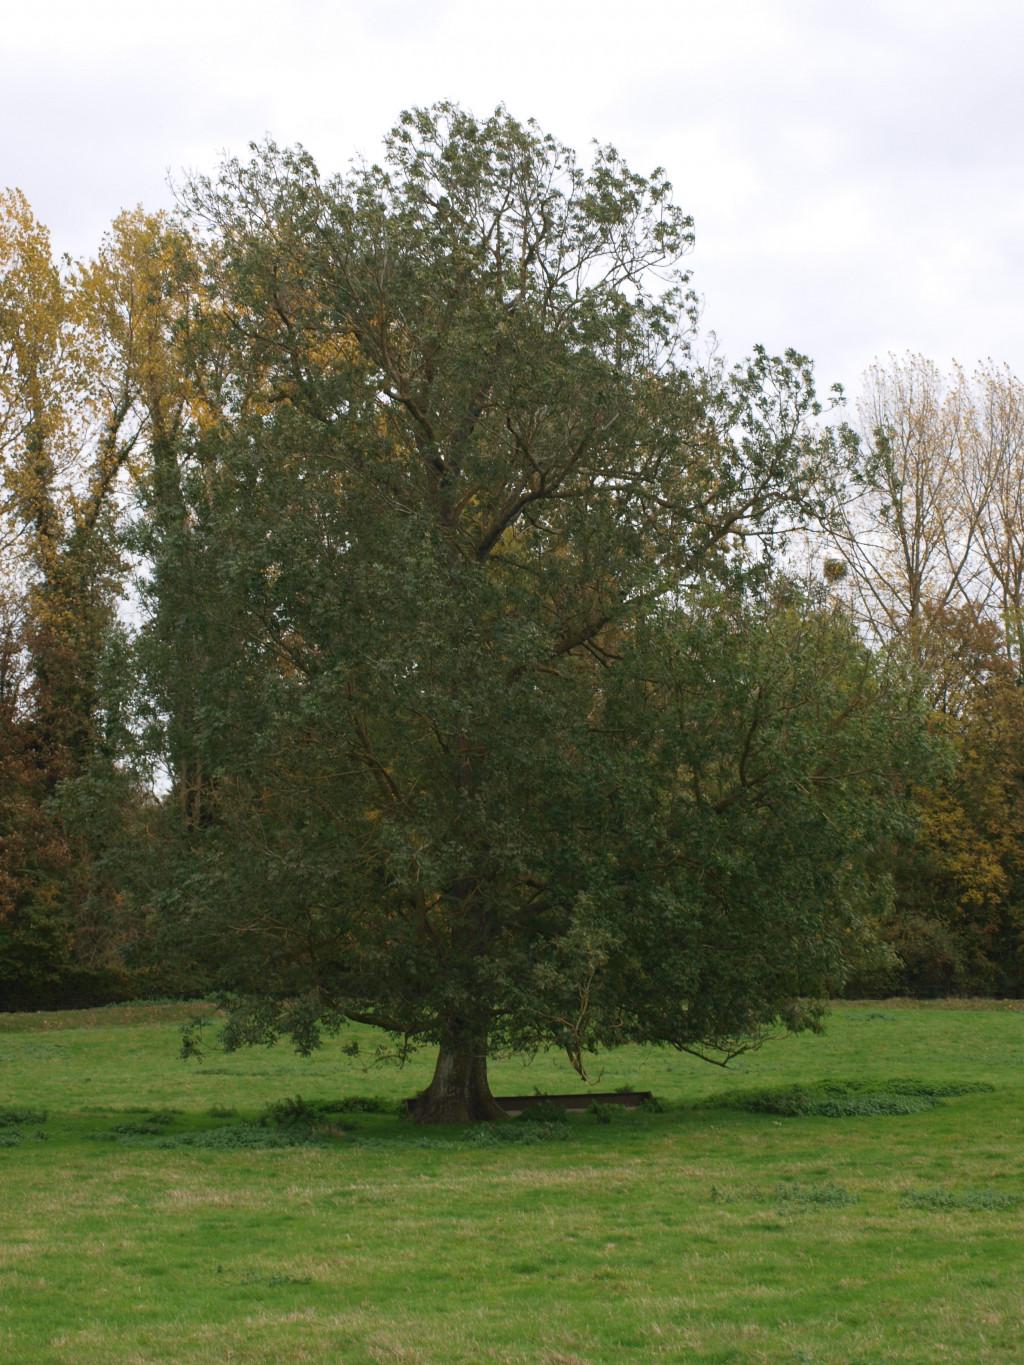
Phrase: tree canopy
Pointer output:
(504, 728)
(399, 622)
(75, 352)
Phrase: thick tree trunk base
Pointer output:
(458, 1092)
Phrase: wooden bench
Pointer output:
(573, 1104)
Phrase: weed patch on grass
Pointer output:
(846, 1099)
(719, 1196)
(973, 1201)
(17, 1118)
(154, 1123)
(815, 1196)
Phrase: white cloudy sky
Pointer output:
(856, 170)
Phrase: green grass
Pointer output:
(856, 1197)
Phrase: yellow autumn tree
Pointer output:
(957, 923)
(85, 392)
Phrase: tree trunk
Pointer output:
(458, 1092)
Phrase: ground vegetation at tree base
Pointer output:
(259, 1206)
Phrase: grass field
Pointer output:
(148, 1218)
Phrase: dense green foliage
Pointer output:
(511, 730)
(398, 623)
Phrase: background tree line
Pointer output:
(389, 597)
(930, 552)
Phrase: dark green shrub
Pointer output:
(291, 1113)
(14, 1118)
(357, 1104)
(547, 1111)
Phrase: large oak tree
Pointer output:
(511, 733)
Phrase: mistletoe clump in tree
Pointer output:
(510, 734)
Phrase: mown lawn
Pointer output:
(706, 1232)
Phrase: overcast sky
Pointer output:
(856, 171)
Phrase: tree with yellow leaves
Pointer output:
(933, 549)
(85, 396)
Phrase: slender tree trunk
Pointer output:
(458, 1091)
